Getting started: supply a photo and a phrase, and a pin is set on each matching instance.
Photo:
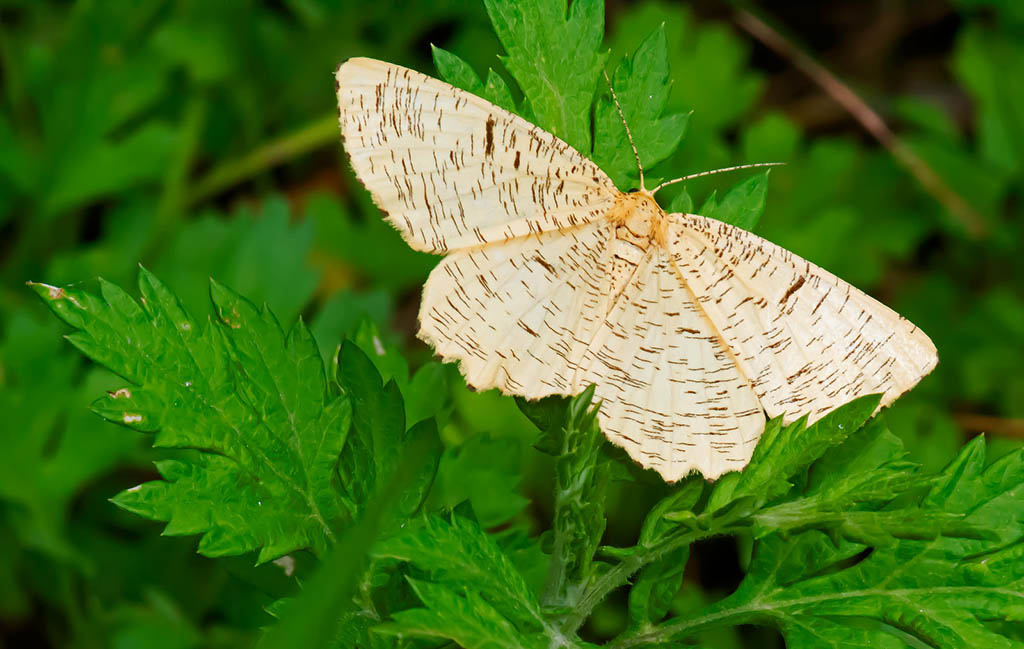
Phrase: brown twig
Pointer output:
(989, 424)
(868, 118)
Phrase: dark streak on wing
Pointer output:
(489, 137)
(548, 267)
(793, 289)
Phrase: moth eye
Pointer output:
(633, 191)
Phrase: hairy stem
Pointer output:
(679, 628)
(620, 574)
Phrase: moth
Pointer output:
(693, 331)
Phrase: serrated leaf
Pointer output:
(484, 471)
(936, 591)
(552, 52)
(460, 74)
(456, 71)
(641, 84)
(52, 447)
(742, 205)
(458, 553)
(255, 403)
(497, 92)
(849, 491)
(378, 423)
(784, 450)
(682, 203)
(461, 616)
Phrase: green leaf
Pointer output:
(456, 71)
(484, 470)
(324, 611)
(255, 403)
(940, 591)
(461, 616)
(461, 75)
(381, 413)
(642, 86)
(425, 395)
(457, 553)
(784, 450)
(743, 205)
(710, 204)
(915, 588)
(682, 499)
(422, 435)
(53, 447)
(682, 203)
(344, 312)
(656, 586)
(497, 92)
(378, 423)
(108, 167)
(659, 581)
(390, 364)
(982, 58)
(553, 54)
(366, 245)
(850, 493)
(203, 47)
(262, 253)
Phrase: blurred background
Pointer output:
(200, 139)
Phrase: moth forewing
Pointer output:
(452, 170)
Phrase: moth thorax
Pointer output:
(639, 218)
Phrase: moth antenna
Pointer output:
(716, 171)
(622, 116)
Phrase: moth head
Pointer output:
(641, 214)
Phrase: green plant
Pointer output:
(281, 452)
(845, 528)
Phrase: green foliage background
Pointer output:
(165, 134)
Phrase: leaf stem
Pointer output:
(619, 575)
(615, 577)
(314, 135)
(723, 613)
(678, 628)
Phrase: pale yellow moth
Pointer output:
(692, 329)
